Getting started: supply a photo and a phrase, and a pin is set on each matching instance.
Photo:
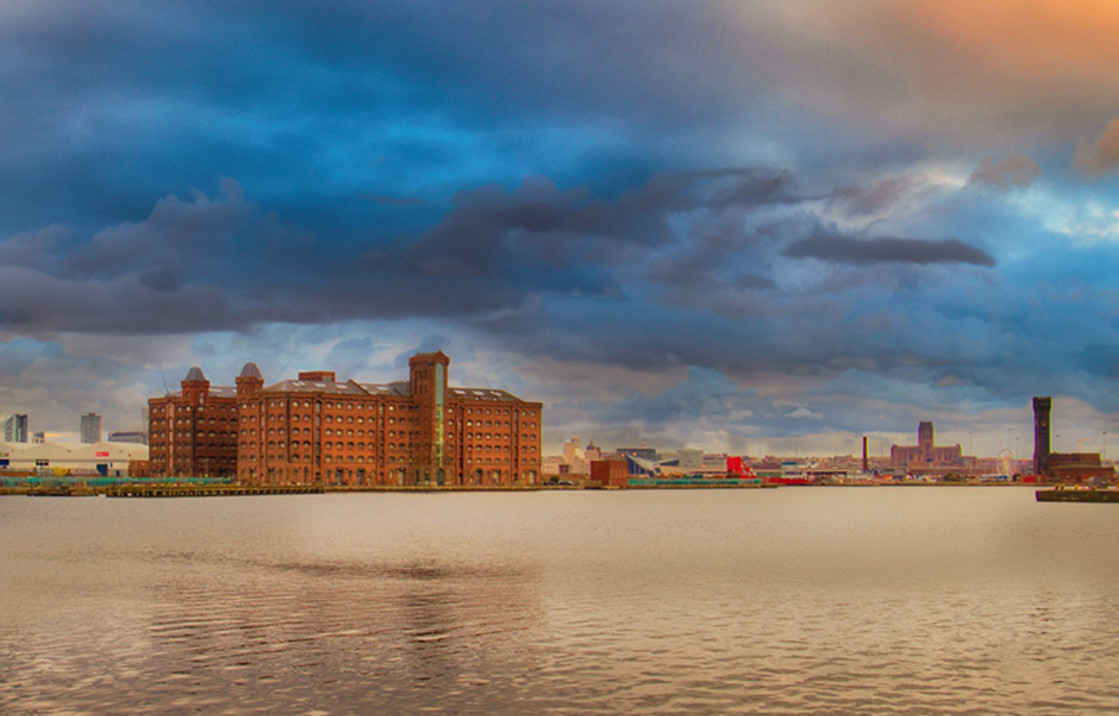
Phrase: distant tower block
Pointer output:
(1042, 408)
(91, 428)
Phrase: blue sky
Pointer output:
(752, 227)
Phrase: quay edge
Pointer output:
(1060, 495)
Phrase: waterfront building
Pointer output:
(318, 429)
(420, 431)
(610, 472)
(644, 452)
(91, 428)
(71, 459)
(1079, 468)
(193, 431)
(640, 466)
(691, 458)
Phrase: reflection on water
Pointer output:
(789, 601)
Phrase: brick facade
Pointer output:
(925, 454)
(610, 472)
(193, 432)
(415, 432)
(1078, 468)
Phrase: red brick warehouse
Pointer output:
(414, 432)
(193, 432)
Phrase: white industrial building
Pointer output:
(101, 458)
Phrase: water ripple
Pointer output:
(800, 602)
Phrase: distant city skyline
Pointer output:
(742, 227)
(1018, 440)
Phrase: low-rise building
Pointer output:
(1079, 468)
(73, 459)
(610, 473)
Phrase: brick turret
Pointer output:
(250, 380)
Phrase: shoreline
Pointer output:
(232, 490)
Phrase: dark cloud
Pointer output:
(198, 233)
(37, 303)
(539, 238)
(808, 325)
(753, 281)
(482, 257)
(160, 279)
(1016, 171)
(113, 105)
(868, 251)
(707, 239)
(14, 317)
(41, 250)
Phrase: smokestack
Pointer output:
(866, 463)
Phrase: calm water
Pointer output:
(796, 600)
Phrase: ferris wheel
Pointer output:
(1006, 459)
